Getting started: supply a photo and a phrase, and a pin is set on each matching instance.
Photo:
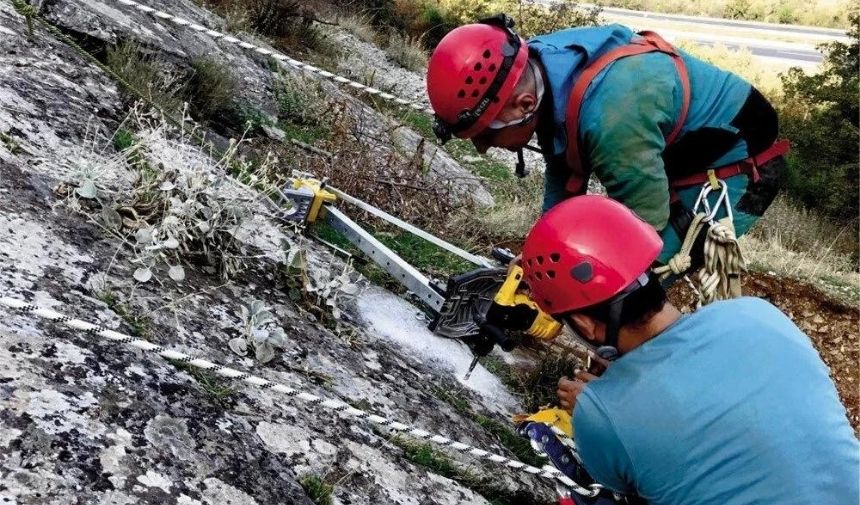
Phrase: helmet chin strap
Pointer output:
(609, 350)
(520, 167)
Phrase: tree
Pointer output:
(820, 116)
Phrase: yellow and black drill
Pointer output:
(511, 314)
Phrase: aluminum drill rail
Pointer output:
(471, 258)
(387, 259)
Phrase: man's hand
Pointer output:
(568, 389)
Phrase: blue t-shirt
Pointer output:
(730, 405)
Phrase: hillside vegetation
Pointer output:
(814, 222)
(824, 13)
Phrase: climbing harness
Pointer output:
(336, 406)
(719, 277)
(748, 167)
(646, 42)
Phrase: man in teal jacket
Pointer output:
(649, 123)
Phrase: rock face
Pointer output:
(86, 421)
(109, 22)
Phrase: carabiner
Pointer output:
(722, 200)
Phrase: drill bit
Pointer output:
(471, 368)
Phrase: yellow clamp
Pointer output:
(552, 416)
(509, 295)
(321, 196)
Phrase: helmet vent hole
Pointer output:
(477, 67)
(554, 257)
(492, 67)
(482, 80)
(547, 302)
(540, 260)
(487, 53)
(462, 93)
(469, 80)
(550, 274)
(475, 94)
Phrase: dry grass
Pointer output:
(829, 13)
(358, 25)
(407, 52)
(763, 76)
(289, 25)
(795, 242)
(146, 74)
(518, 205)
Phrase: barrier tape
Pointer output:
(331, 405)
(277, 56)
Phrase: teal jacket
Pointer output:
(627, 111)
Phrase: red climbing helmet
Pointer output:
(586, 251)
(472, 74)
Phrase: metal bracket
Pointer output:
(387, 259)
(304, 200)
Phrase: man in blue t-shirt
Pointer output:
(729, 405)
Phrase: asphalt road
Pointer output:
(813, 31)
(733, 34)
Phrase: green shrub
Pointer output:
(209, 89)
(434, 25)
(430, 20)
(820, 116)
(144, 73)
(738, 9)
(317, 489)
(532, 18)
(123, 139)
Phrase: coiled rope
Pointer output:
(331, 405)
(720, 276)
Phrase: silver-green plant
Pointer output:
(329, 286)
(184, 209)
(260, 331)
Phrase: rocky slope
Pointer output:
(85, 421)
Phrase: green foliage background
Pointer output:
(820, 116)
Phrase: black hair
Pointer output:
(639, 306)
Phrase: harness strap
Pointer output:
(648, 42)
(748, 166)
